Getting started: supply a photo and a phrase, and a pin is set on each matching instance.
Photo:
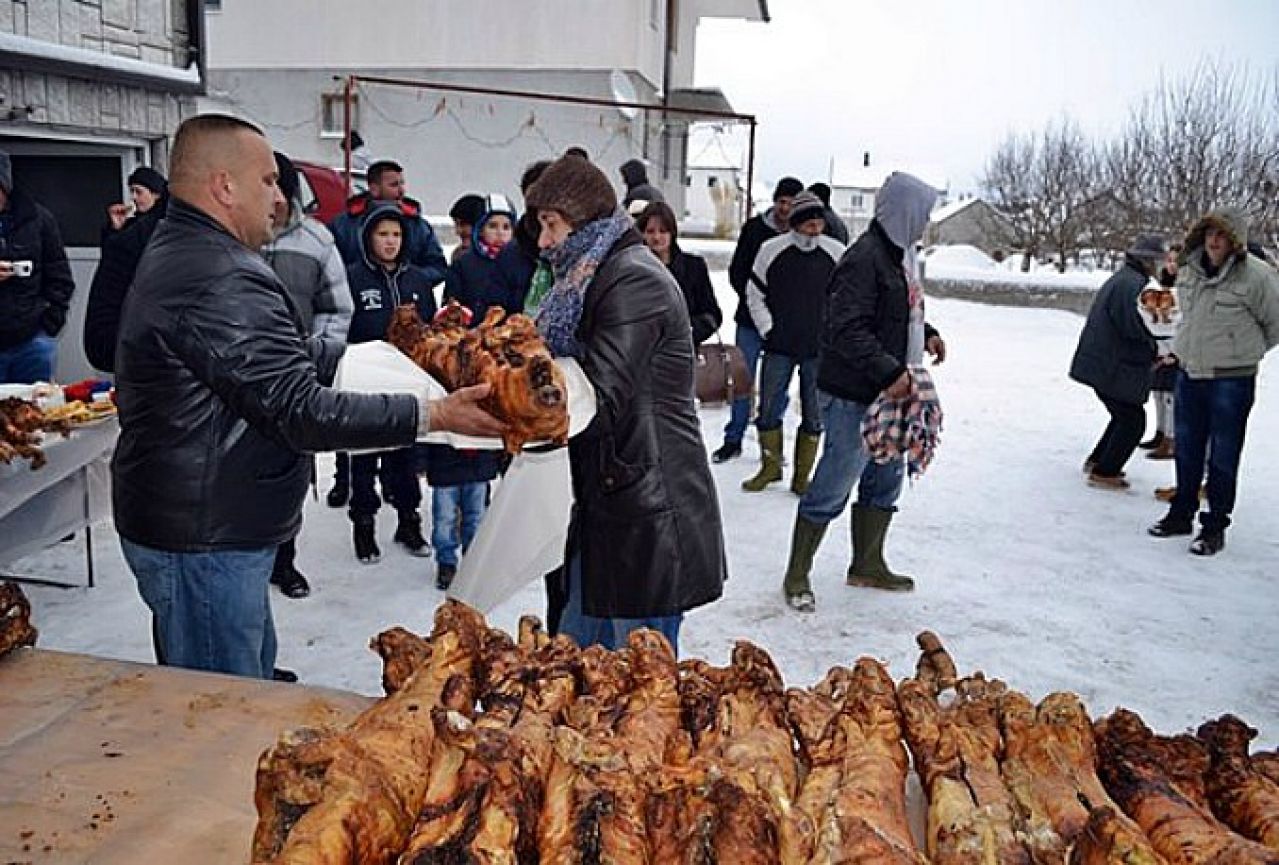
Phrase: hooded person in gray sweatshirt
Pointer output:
(874, 330)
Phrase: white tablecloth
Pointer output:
(73, 490)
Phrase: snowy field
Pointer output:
(1024, 571)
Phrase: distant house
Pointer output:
(853, 191)
(712, 201)
(282, 62)
(971, 221)
(88, 92)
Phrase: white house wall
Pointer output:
(413, 34)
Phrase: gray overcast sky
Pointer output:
(936, 84)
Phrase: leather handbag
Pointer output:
(721, 375)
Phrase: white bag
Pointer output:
(379, 367)
(523, 534)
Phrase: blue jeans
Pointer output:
(212, 610)
(774, 381)
(464, 503)
(1210, 417)
(609, 633)
(845, 461)
(30, 361)
(748, 340)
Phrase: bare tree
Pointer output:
(1008, 185)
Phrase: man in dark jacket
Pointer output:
(835, 226)
(759, 228)
(121, 252)
(35, 284)
(1116, 357)
(874, 329)
(220, 394)
(635, 175)
(386, 183)
(787, 298)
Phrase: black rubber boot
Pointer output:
(444, 577)
(364, 533)
(409, 534)
(340, 494)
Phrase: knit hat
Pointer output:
(806, 206)
(1148, 247)
(6, 173)
(574, 187)
(148, 177)
(288, 182)
(787, 187)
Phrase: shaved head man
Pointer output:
(221, 392)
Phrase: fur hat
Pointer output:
(806, 206)
(147, 177)
(787, 187)
(574, 187)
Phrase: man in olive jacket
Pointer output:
(219, 394)
(1229, 304)
(1116, 357)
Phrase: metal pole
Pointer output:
(346, 129)
(750, 173)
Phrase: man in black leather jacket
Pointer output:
(220, 395)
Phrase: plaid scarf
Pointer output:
(574, 263)
(909, 426)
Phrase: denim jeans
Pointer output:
(1210, 416)
(844, 462)
(609, 633)
(774, 381)
(399, 482)
(748, 340)
(30, 361)
(450, 506)
(1120, 438)
(212, 610)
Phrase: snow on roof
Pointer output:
(35, 48)
(946, 211)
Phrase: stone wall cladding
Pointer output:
(149, 30)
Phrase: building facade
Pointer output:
(89, 90)
(451, 143)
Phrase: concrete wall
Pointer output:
(413, 34)
(1071, 298)
(449, 143)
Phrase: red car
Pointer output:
(323, 189)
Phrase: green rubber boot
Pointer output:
(805, 456)
(770, 471)
(805, 540)
(870, 527)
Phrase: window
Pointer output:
(213, 5)
(858, 201)
(712, 182)
(332, 106)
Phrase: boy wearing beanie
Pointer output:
(787, 301)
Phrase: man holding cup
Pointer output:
(35, 284)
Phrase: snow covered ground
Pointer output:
(1024, 571)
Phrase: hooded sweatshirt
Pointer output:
(376, 291)
(637, 186)
(875, 316)
(483, 277)
(306, 259)
(1229, 315)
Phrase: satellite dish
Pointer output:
(623, 91)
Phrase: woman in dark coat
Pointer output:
(657, 225)
(645, 541)
(1115, 357)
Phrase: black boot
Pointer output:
(727, 451)
(280, 674)
(444, 577)
(365, 530)
(340, 494)
(285, 575)
(1172, 525)
(1153, 442)
(1209, 542)
(409, 534)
